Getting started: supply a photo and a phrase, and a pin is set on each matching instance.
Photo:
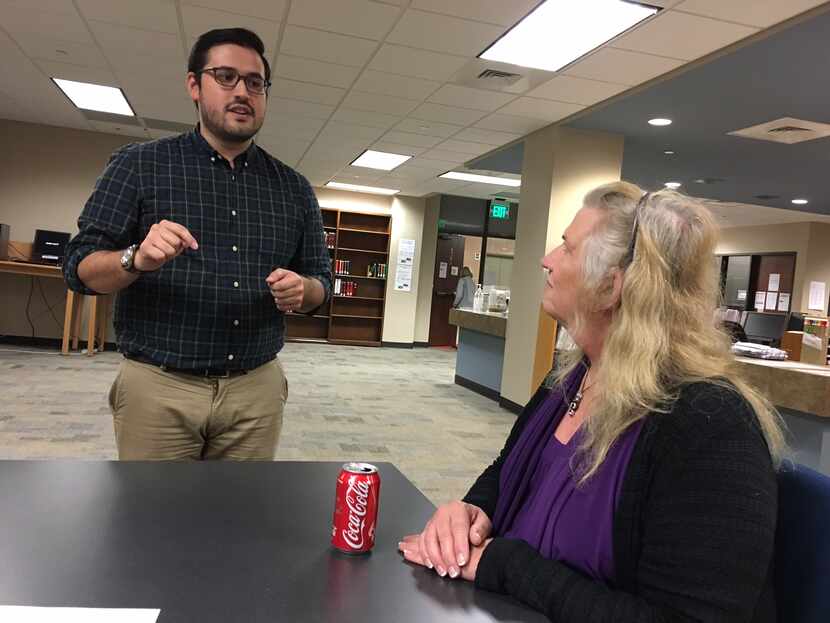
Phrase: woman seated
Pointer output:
(639, 483)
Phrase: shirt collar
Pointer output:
(251, 157)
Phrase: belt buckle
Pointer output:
(225, 375)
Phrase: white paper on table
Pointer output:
(783, 302)
(760, 299)
(741, 295)
(772, 300)
(817, 295)
(774, 281)
(403, 278)
(30, 614)
(442, 270)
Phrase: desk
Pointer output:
(218, 542)
(480, 357)
(97, 325)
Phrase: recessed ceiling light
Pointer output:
(673, 185)
(669, 152)
(386, 161)
(800, 202)
(557, 33)
(95, 97)
(362, 189)
(659, 121)
(482, 179)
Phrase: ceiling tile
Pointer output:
(123, 41)
(408, 138)
(273, 10)
(53, 6)
(761, 13)
(433, 164)
(356, 175)
(308, 70)
(491, 11)
(622, 66)
(397, 59)
(428, 128)
(291, 126)
(447, 114)
(379, 103)
(364, 117)
(360, 18)
(282, 148)
(19, 21)
(344, 152)
(393, 84)
(281, 105)
(464, 147)
(306, 92)
(161, 133)
(449, 156)
(465, 97)
(540, 109)
(199, 20)
(576, 90)
(79, 73)
(326, 46)
(680, 35)
(158, 15)
(336, 130)
(443, 33)
(123, 130)
(397, 148)
(45, 48)
(488, 137)
(510, 123)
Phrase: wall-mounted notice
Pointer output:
(817, 295)
(760, 299)
(774, 281)
(406, 259)
(783, 302)
(442, 270)
(772, 301)
(741, 295)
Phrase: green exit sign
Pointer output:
(500, 210)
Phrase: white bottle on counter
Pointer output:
(477, 299)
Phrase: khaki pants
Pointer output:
(162, 415)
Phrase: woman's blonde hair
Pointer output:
(662, 335)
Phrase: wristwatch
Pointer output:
(128, 259)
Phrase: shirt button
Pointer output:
(235, 249)
(246, 163)
(235, 284)
(233, 212)
(212, 159)
(230, 357)
(233, 177)
(236, 323)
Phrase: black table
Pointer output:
(218, 542)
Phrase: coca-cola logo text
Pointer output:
(357, 499)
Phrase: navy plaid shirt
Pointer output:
(208, 308)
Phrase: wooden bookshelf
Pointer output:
(362, 239)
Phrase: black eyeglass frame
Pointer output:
(266, 84)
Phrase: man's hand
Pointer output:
(165, 241)
(287, 288)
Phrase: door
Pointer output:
(449, 257)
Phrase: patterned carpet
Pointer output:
(345, 403)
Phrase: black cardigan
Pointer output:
(693, 531)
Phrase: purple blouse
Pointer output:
(561, 520)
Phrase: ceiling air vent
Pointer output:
(503, 78)
(787, 130)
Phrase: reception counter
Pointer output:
(801, 392)
(478, 364)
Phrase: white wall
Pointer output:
(426, 269)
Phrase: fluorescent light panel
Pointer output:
(362, 189)
(95, 97)
(558, 32)
(383, 160)
(482, 179)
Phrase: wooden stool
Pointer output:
(96, 323)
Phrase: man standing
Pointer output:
(208, 241)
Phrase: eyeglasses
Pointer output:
(228, 78)
(629, 256)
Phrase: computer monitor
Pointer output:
(765, 328)
(49, 246)
(796, 322)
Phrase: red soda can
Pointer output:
(356, 508)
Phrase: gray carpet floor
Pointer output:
(345, 403)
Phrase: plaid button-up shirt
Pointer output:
(208, 308)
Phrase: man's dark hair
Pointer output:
(238, 36)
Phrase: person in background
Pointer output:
(465, 289)
(639, 483)
(208, 241)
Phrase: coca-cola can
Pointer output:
(356, 508)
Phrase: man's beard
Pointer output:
(214, 121)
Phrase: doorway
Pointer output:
(449, 257)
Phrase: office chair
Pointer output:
(802, 546)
